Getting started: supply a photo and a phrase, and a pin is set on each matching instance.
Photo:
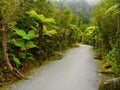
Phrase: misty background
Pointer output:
(81, 8)
(91, 2)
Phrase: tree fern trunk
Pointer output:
(40, 30)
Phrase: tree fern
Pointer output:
(40, 18)
(27, 36)
(48, 32)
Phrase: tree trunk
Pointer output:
(4, 46)
(40, 30)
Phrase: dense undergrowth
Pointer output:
(32, 32)
(104, 34)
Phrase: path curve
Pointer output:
(76, 71)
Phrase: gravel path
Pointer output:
(76, 71)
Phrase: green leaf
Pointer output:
(33, 14)
(21, 55)
(21, 33)
(20, 43)
(16, 61)
(49, 20)
(48, 32)
(24, 35)
(30, 57)
(72, 26)
(31, 34)
(41, 18)
(30, 44)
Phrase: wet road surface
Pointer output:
(76, 71)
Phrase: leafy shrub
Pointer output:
(113, 57)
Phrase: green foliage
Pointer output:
(113, 10)
(7, 10)
(40, 18)
(24, 43)
(107, 34)
(107, 26)
(36, 29)
(89, 35)
(65, 18)
(21, 55)
(19, 43)
(16, 60)
(27, 36)
(80, 7)
(68, 30)
(48, 32)
(113, 57)
(30, 57)
(30, 44)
